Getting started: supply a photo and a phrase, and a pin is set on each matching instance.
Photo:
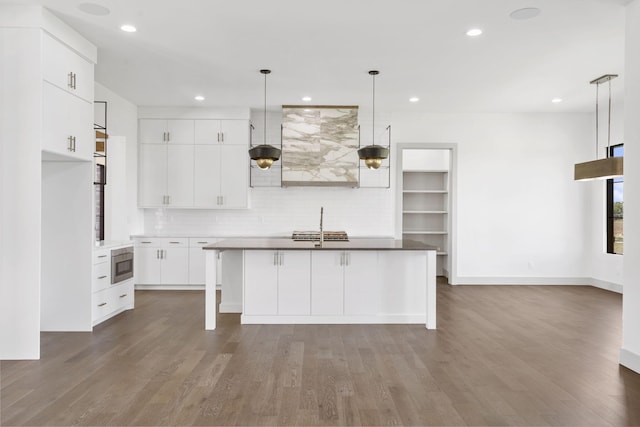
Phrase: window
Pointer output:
(615, 191)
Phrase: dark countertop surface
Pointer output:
(289, 244)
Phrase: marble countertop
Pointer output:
(289, 244)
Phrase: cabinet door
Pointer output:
(234, 132)
(260, 283)
(327, 279)
(146, 266)
(152, 175)
(361, 283)
(175, 266)
(180, 131)
(294, 283)
(66, 116)
(152, 131)
(206, 179)
(207, 132)
(197, 260)
(66, 69)
(234, 176)
(180, 175)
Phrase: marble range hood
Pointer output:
(319, 146)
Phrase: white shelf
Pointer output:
(426, 191)
(425, 212)
(424, 232)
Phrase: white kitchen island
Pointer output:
(357, 281)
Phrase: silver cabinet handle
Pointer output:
(348, 258)
(157, 253)
(275, 258)
(102, 277)
(203, 242)
(145, 242)
(102, 305)
(281, 258)
(74, 142)
(102, 256)
(168, 136)
(218, 136)
(222, 133)
(70, 84)
(164, 136)
(123, 295)
(174, 243)
(74, 80)
(342, 258)
(70, 146)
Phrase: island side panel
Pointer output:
(211, 267)
(232, 280)
(431, 289)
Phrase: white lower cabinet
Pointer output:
(277, 283)
(162, 261)
(108, 299)
(197, 261)
(344, 283)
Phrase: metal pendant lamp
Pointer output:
(609, 167)
(264, 154)
(373, 154)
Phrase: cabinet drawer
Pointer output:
(147, 242)
(199, 242)
(64, 68)
(101, 304)
(100, 256)
(123, 295)
(175, 242)
(101, 276)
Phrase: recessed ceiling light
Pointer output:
(128, 28)
(414, 99)
(556, 100)
(306, 98)
(525, 13)
(94, 9)
(474, 32)
(199, 98)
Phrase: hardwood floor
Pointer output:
(503, 355)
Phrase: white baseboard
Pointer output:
(609, 286)
(630, 360)
(333, 320)
(230, 308)
(564, 281)
(169, 287)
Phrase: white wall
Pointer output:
(630, 353)
(123, 216)
(520, 215)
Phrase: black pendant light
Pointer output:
(264, 154)
(373, 154)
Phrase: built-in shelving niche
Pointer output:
(425, 200)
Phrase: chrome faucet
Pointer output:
(321, 231)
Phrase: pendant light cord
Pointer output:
(264, 132)
(597, 120)
(609, 124)
(373, 126)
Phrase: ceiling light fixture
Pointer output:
(264, 154)
(94, 9)
(199, 98)
(474, 32)
(556, 100)
(373, 154)
(609, 167)
(306, 98)
(525, 13)
(414, 99)
(127, 28)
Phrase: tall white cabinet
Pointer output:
(193, 163)
(45, 283)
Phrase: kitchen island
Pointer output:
(357, 281)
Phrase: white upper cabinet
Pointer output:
(66, 69)
(67, 124)
(160, 131)
(211, 171)
(231, 132)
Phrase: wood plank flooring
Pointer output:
(503, 355)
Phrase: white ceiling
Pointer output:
(324, 49)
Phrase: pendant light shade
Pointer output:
(264, 154)
(373, 154)
(609, 167)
